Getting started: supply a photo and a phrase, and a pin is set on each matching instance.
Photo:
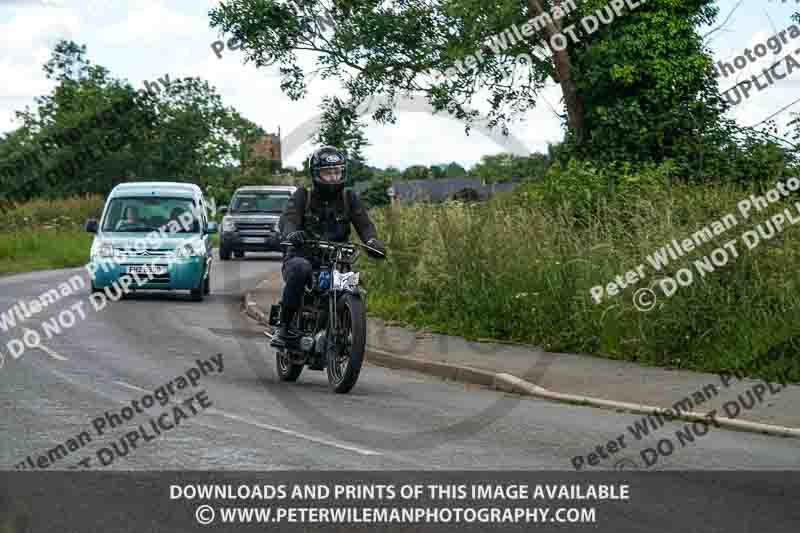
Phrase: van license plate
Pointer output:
(155, 270)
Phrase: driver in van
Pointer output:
(131, 218)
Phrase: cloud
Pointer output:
(144, 39)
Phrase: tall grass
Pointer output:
(46, 234)
(521, 269)
(64, 213)
(28, 250)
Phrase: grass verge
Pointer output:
(521, 269)
(40, 249)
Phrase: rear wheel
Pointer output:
(287, 371)
(207, 285)
(239, 254)
(347, 355)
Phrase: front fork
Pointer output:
(330, 335)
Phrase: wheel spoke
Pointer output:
(344, 343)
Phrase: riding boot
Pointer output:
(287, 336)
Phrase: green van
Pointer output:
(152, 236)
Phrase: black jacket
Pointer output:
(327, 219)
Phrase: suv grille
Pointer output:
(260, 228)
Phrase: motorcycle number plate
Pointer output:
(344, 281)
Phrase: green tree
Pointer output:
(375, 194)
(392, 172)
(647, 85)
(437, 172)
(195, 131)
(340, 126)
(616, 82)
(416, 172)
(532, 166)
(492, 168)
(454, 170)
(80, 137)
(505, 167)
(93, 131)
(795, 122)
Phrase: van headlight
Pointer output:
(228, 224)
(189, 250)
(104, 249)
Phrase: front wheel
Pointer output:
(350, 338)
(287, 371)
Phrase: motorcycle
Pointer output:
(332, 318)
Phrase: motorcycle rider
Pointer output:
(326, 213)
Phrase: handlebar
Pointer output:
(330, 245)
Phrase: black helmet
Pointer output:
(329, 170)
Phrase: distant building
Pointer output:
(269, 147)
(444, 189)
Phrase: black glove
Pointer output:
(297, 238)
(378, 245)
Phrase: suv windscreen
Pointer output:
(260, 202)
(145, 214)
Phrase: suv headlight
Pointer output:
(227, 224)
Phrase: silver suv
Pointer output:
(252, 222)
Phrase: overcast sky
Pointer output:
(144, 39)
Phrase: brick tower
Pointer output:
(269, 147)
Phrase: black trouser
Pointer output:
(296, 274)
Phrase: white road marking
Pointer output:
(362, 451)
(325, 442)
(134, 387)
(55, 355)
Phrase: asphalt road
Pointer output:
(391, 420)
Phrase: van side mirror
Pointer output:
(91, 225)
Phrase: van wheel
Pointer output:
(207, 285)
(239, 254)
(197, 295)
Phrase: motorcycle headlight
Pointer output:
(227, 224)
